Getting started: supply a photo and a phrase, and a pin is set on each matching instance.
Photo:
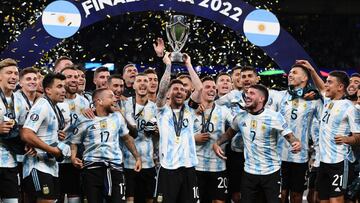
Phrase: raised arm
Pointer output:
(319, 83)
(196, 82)
(164, 83)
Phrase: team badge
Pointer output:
(295, 102)
(253, 123)
(159, 198)
(45, 190)
(103, 124)
(331, 105)
(263, 127)
(72, 107)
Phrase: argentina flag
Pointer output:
(61, 19)
(261, 27)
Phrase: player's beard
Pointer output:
(110, 109)
(70, 90)
(188, 94)
(252, 105)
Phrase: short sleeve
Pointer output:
(235, 123)
(80, 130)
(228, 115)
(354, 119)
(281, 125)
(37, 115)
(123, 130)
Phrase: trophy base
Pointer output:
(177, 58)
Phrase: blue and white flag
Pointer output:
(61, 19)
(261, 27)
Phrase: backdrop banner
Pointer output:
(61, 21)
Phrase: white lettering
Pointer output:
(189, 1)
(119, 1)
(87, 6)
(102, 2)
(96, 5)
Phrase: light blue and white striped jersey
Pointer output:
(235, 98)
(101, 137)
(260, 134)
(7, 158)
(339, 117)
(315, 125)
(143, 143)
(299, 114)
(275, 98)
(43, 122)
(22, 116)
(176, 152)
(75, 107)
(208, 160)
(72, 109)
(23, 103)
(232, 101)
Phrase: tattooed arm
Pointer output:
(295, 143)
(228, 135)
(164, 83)
(130, 144)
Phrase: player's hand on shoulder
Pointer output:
(88, 113)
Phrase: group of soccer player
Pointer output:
(178, 140)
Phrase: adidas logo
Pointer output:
(337, 189)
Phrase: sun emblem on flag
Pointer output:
(261, 27)
(61, 19)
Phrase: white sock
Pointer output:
(74, 200)
(10, 200)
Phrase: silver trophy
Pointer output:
(177, 32)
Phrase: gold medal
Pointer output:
(12, 122)
(177, 139)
